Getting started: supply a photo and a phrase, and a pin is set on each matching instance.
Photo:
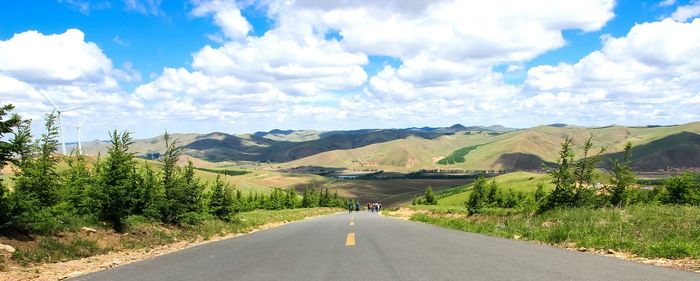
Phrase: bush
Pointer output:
(430, 198)
(477, 199)
(683, 189)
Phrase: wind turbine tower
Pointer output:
(80, 145)
(60, 125)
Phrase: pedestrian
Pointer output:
(349, 206)
(369, 206)
(357, 206)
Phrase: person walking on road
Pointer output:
(349, 206)
(357, 206)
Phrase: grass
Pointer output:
(651, 231)
(517, 181)
(145, 234)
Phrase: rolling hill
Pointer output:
(455, 147)
(654, 148)
(282, 145)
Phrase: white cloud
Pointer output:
(69, 71)
(226, 15)
(666, 3)
(655, 66)
(151, 7)
(59, 58)
(686, 12)
(488, 31)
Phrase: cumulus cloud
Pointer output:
(686, 12)
(66, 69)
(654, 66)
(296, 75)
(226, 15)
(489, 31)
(57, 58)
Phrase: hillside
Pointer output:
(654, 148)
(281, 145)
(455, 147)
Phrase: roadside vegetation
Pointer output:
(575, 208)
(117, 192)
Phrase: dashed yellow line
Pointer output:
(350, 240)
(352, 223)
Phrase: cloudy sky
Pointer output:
(246, 66)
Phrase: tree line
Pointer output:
(45, 198)
(575, 186)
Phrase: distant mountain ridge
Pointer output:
(284, 145)
(494, 147)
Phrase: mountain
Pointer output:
(408, 149)
(277, 145)
(527, 149)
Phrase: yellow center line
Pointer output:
(352, 223)
(350, 240)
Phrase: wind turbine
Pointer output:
(80, 145)
(58, 116)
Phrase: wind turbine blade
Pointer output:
(76, 108)
(49, 100)
(81, 123)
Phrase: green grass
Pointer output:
(517, 181)
(652, 231)
(50, 249)
(142, 233)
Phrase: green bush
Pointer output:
(683, 189)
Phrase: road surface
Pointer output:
(366, 246)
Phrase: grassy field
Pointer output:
(391, 192)
(518, 181)
(663, 231)
(143, 234)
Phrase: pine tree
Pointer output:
(38, 177)
(430, 198)
(153, 193)
(221, 200)
(477, 198)
(7, 151)
(492, 193)
(621, 177)
(117, 179)
(563, 178)
(79, 183)
(540, 195)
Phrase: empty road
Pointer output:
(366, 246)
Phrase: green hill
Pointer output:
(654, 148)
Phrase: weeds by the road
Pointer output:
(652, 231)
(144, 234)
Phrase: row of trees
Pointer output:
(45, 198)
(574, 186)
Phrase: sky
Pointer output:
(201, 66)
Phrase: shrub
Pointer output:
(682, 189)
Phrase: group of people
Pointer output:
(374, 207)
(353, 206)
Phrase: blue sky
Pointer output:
(198, 66)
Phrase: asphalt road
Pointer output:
(370, 247)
